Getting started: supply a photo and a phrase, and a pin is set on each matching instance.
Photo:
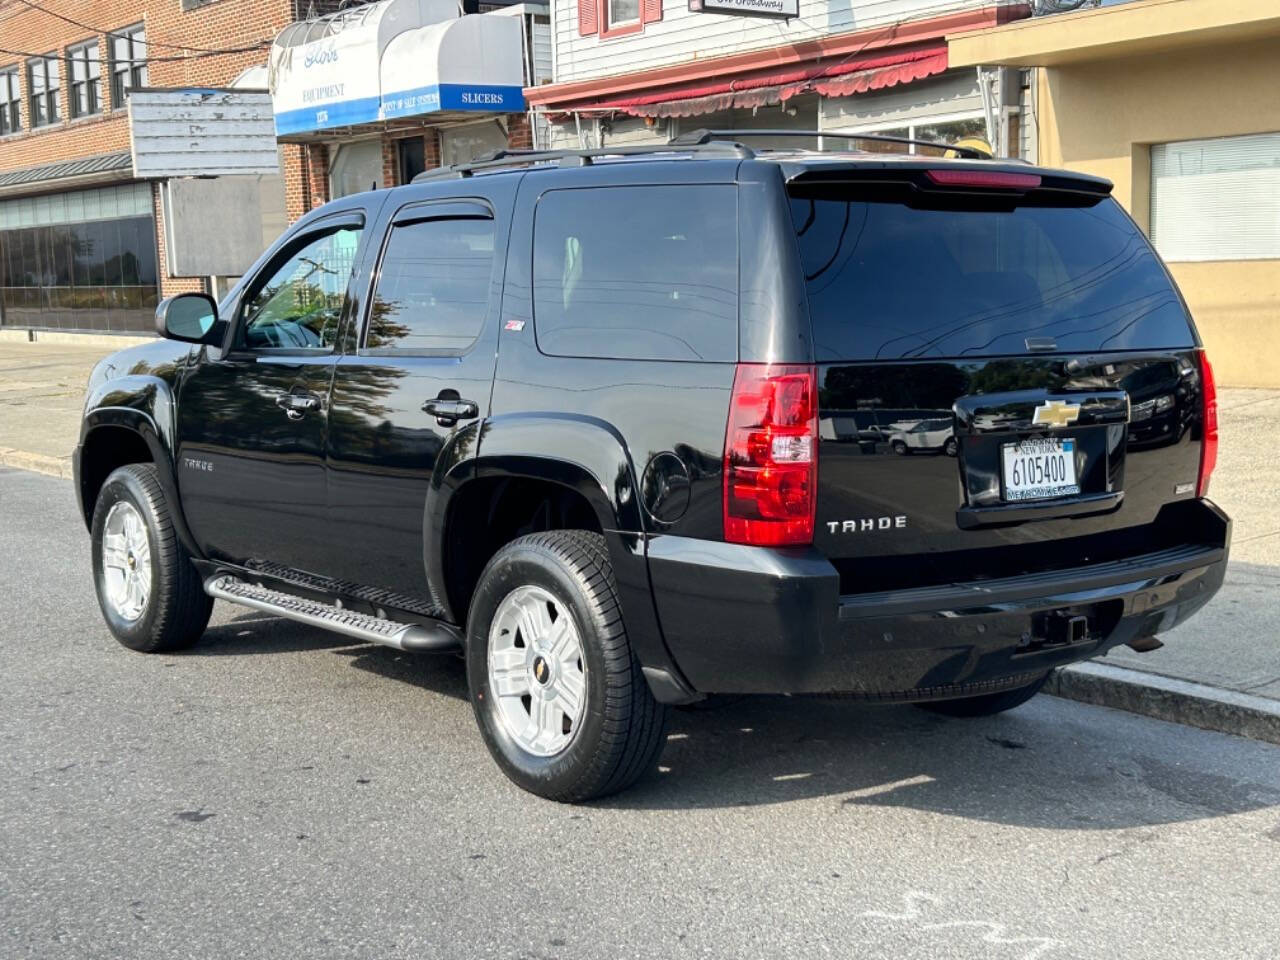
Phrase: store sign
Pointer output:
(453, 96)
(773, 9)
(201, 133)
(332, 82)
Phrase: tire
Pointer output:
(176, 609)
(620, 729)
(900, 448)
(950, 447)
(986, 705)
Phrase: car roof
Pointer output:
(794, 164)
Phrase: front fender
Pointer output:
(144, 405)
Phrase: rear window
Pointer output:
(888, 281)
(637, 273)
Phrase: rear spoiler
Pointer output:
(941, 176)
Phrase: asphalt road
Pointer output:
(278, 792)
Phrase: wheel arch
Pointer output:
(125, 418)
(587, 461)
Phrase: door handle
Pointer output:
(295, 405)
(448, 411)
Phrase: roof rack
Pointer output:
(699, 137)
(500, 159)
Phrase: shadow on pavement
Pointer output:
(1039, 766)
(1050, 764)
(260, 633)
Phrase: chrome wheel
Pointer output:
(126, 561)
(536, 671)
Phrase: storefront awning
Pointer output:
(472, 64)
(842, 78)
(392, 59)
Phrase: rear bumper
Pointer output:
(751, 620)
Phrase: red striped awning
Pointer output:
(842, 78)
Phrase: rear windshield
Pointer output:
(888, 281)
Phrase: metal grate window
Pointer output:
(1217, 199)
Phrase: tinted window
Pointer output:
(641, 273)
(299, 304)
(433, 287)
(888, 281)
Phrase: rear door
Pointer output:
(1038, 327)
(415, 384)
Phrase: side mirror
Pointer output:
(189, 317)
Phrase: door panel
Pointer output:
(253, 420)
(251, 477)
(429, 335)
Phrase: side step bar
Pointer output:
(362, 626)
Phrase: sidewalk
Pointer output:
(1221, 670)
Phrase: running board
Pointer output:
(403, 636)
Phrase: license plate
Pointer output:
(1040, 469)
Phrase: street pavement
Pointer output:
(281, 792)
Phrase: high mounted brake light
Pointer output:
(1209, 412)
(771, 455)
(984, 179)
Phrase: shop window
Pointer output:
(128, 62)
(10, 102)
(433, 287)
(616, 17)
(43, 84)
(72, 274)
(356, 167)
(947, 130)
(464, 144)
(1217, 199)
(84, 73)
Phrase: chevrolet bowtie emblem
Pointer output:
(1056, 413)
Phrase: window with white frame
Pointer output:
(622, 12)
(84, 72)
(128, 62)
(1217, 199)
(944, 129)
(43, 83)
(10, 101)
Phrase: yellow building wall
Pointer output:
(1102, 117)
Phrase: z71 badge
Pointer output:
(868, 524)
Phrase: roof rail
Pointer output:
(698, 137)
(500, 159)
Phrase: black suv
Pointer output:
(617, 426)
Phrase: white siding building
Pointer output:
(642, 71)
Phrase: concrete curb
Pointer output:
(116, 341)
(1164, 698)
(36, 462)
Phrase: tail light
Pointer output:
(984, 179)
(771, 455)
(1209, 445)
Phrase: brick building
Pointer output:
(81, 239)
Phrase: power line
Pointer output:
(55, 55)
(151, 43)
